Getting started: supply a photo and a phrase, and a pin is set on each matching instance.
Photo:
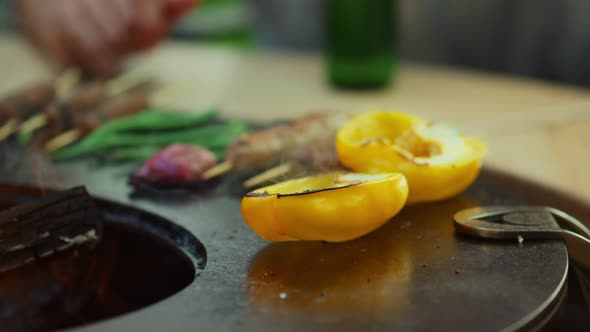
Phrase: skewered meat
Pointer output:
(86, 97)
(315, 157)
(127, 103)
(122, 105)
(132, 101)
(177, 164)
(263, 149)
(94, 96)
(29, 100)
(318, 156)
(82, 99)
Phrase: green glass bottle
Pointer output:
(361, 42)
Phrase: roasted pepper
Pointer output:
(437, 161)
(332, 207)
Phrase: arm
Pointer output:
(96, 35)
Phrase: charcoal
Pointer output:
(36, 230)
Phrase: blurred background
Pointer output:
(544, 39)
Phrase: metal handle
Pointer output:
(578, 249)
(570, 223)
(537, 222)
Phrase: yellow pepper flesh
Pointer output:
(437, 162)
(332, 207)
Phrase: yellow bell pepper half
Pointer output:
(437, 161)
(332, 207)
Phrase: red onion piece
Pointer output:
(177, 164)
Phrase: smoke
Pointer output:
(19, 165)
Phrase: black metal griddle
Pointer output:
(415, 273)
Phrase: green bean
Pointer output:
(156, 119)
(144, 153)
(213, 135)
(26, 138)
(210, 137)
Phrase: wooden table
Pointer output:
(535, 129)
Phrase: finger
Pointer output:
(86, 45)
(122, 11)
(53, 41)
(176, 8)
(150, 23)
(124, 8)
(42, 30)
(56, 49)
(104, 19)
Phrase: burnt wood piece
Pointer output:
(53, 224)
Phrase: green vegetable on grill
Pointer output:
(139, 136)
(157, 119)
(25, 139)
(129, 154)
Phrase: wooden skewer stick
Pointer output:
(63, 139)
(268, 175)
(64, 84)
(218, 170)
(8, 128)
(66, 138)
(124, 83)
(169, 95)
(113, 88)
(35, 122)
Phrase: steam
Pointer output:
(30, 166)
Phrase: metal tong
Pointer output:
(528, 222)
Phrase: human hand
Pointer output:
(96, 35)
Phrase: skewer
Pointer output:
(62, 85)
(267, 147)
(35, 122)
(62, 140)
(7, 129)
(268, 175)
(112, 88)
(66, 82)
(316, 156)
(124, 83)
(66, 138)
(218, 170)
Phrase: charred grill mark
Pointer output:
(256, 194)
(304, 192)
(315, 191)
